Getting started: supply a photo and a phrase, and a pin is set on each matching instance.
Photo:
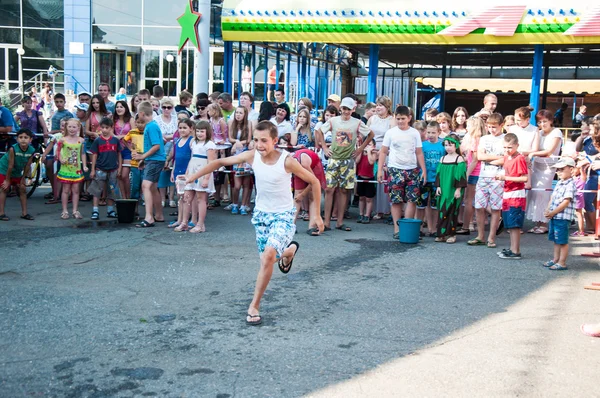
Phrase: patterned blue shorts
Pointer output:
(274, 229)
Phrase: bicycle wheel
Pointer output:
(35, 171)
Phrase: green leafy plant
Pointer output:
(6, 98)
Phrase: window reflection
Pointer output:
(163, 13)
(11, 13)
(10, 36)
(117, 12)
(161, 36)
(44, 43)
(117, 35)
(152, 63)
(49, 14)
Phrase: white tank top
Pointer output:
(273, 185)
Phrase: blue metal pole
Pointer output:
(326, 91)
(266, 55)
(309, 64)
(287, 77)
(253, 66)
(298, 73)
(536, 77)
(317, 85)
(240, 68)
(372, 78)
(383, 83)
(277, 61)
(227, 66)
(302, 88)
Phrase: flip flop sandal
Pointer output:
(253, 323)
(48, 196)
(286, 268)
(344, 228)
(491, 245)
(52, 202)
(333, 218)
(326, 228)
(4, 217)
(155, 220)
(313, 232)
(558, 267)
(476, 242)
(548, 263)
(145, 224)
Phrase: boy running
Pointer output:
(274, 212)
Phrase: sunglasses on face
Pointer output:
(201, 108)
(167, 107)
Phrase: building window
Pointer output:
(154, 36)
(118, 35)
(117, 12)
(10, 35)
(42, 43)
(163, 13)
(50, 14)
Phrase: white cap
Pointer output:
(564, 162)
(348, 103)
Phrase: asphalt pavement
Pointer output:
(101, 309)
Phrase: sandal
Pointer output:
(306, 217)
(441, 239)
(541, 230)
(65, 215)
(476, 242)
(95, 215)
(451, 239)
(366, 220)
(253, 323)
(180, 228)
(27, 216)
(313, 232)
(77, 215)
(286, 268)
(52, 201)
(558, 267)
(144, 224)
(463, 231)
(491, 245)
(102, 202)
(326, 228)
(197, 229)
(549, 264)
(48, 195)
(396, 235)
(111, 214)
(344, 228)
(174, 224)
(4, 217)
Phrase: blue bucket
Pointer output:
(409, 230)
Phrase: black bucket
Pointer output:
(126, 210)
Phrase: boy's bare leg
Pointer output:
(431, 219)
(267, 259)
(369, 207)
(342, 199)
(396, 215)
(411, 209)
(22, 199)
(157, 203)
(515, 240)
(329, 192)
(480, 215)
(2, 200)
(556, 257)
(149, 198)
(563, 254)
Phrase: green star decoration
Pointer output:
(189, 27)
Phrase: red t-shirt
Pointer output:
(364, 168)
(514, 192)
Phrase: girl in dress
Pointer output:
(459, 121)
(220, 134)
(167, 122)
(96, 112)
(470, 143)
(542, 174)
(122, 119)
(379, 123)
(71, 156)
(451, 180)
(240, 136)
(182, 153)
(203, 152)
(302, 136)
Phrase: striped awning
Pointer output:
(555, 86)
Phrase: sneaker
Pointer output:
(504, 251)
(243, 211)
(228, 207)
(510, 255)
(360, 220)
(235, 209)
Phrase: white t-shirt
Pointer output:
(282, 128)
(403, 145)
(526, 137)
(493, 145)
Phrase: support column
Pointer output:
(202, 57)
(240, 69)
(443, 93)
(227, 67)
(372, 78)
(536, 77)
(302, 82)
(253, 67)
(287, 77)
(316, 104)
(266, 56)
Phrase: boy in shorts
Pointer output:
(106, 166)
(340, 174)
(154, 160)
(433, 150)
(406, 165)
(12, 171)
(489, 191)
(560, 212)
(514, 198)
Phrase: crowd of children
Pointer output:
(445, 170)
